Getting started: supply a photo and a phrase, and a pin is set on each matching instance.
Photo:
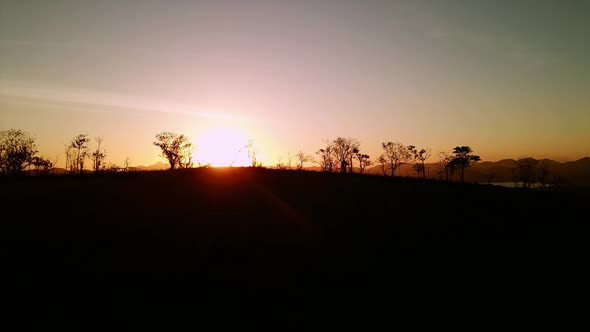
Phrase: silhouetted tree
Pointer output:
(113, 168)
(98, 156)
(186, 161)
(253, 161)
(126, 164)
(70, 165)
(355, 151)
(383, 161)
(302, 158)
(17, 150)
(396, 154)
(419, 159)
(363, 160)
(526, 172)
(177, 149)
(326, 158)
(80, 146)
(463, 159)
(446, 164)
(343, 149)
(42, 165)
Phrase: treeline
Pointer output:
(341, 154)
(18, 153)
(338, 155)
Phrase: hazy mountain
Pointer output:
(573, 172)
(154, 167)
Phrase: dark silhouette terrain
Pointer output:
(569, 173)
(239, 245)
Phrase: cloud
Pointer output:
(105, 100)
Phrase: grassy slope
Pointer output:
(282, 245)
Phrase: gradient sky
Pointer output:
(508, 78)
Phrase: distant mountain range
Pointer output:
(154, 167)
(572, 172)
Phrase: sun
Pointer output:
(222, 146)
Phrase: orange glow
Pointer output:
(222, 146)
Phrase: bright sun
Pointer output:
(222, 146)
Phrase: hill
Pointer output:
(154, 167)
(287, 248)
(574, 172)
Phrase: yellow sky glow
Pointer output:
(292, 77)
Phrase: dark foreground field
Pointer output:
(286, 248)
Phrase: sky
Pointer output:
(510, 79)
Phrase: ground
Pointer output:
(240, 245)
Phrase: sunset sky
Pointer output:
(509, 78)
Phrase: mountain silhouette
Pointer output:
(154, 167)
(504, 170)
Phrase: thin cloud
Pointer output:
(105, 100)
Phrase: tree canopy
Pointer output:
(17, 151)
(464, 158)
(177, 149)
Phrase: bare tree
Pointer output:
(177, 149)
(17, 150)
(186, 161)
(113, 168)
(80, 146)
(396, 154)
(383, 161)
(251, 149)
(42, 165)
(417, 167)
(463, 159)
(446, 164)
(98, 156)
(126, 164)
(326, 158)
(355, 151)
(363, 160)
(302, 158)
(419, 159)
(344, 151)
(70, 165)
(252, 154)
(526, 172)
